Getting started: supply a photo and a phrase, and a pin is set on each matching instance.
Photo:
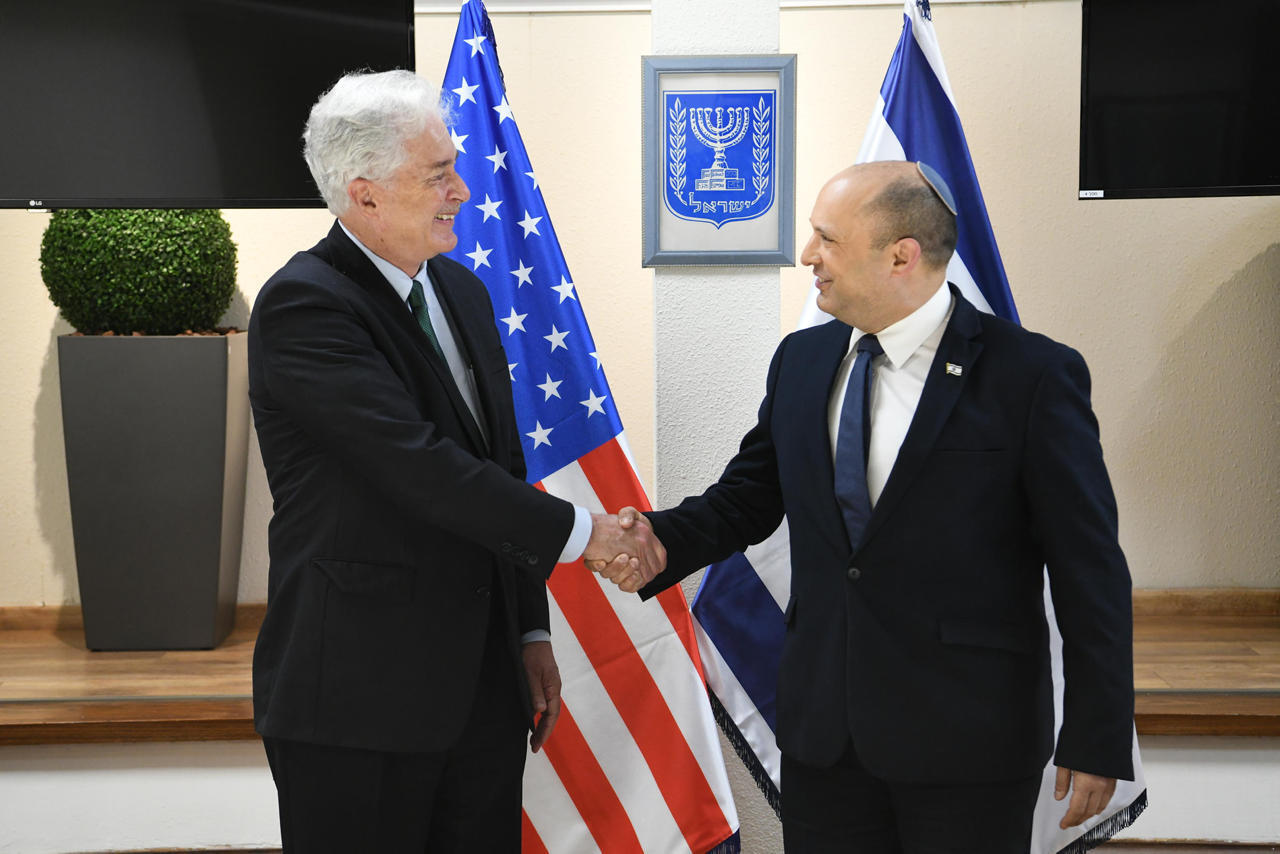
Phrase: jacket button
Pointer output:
(533, 560)
(482, 591)
(854, 573)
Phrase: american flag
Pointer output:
(915, 118)
(634, 764)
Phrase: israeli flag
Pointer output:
(738, 609)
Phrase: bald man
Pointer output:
(931, 460)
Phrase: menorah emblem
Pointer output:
(718, 120)
(716, 132)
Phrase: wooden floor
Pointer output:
(54, 690)
(1194, 675)
(1206, 654)
(55, 665)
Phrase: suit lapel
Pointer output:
(960, 346)
(347, 259)
(817, 369)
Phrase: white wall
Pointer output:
(130, 797)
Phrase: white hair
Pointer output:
(359, 128)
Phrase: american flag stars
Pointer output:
(551, 357)
(522, 274)
(530, 224)
(480, 256)
(514, 321)
(540, 435)
(504, 111)
(498, 158)
(593, 403)
(556, 338)
(551, 387)
(465, 92)
(565, 289)
(490, 208)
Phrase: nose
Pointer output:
(809, 257)
(458, 191)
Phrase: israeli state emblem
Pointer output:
(719, 154)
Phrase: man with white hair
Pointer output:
(405, 650)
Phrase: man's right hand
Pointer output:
(624, 549)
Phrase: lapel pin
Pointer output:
(954, 370)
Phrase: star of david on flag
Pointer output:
(634, 763)
(738, 609)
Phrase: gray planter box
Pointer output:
(157, 432)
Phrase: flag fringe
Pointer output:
(747, 755)
(732, 845)
(1104, 830)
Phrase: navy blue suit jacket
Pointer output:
(929, 644)
(395, 519)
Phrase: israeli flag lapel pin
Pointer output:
(954, 370)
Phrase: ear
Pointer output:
(363, 196)
(905, 256)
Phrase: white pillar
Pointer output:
(715, 330)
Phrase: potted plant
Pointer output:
(156, 419)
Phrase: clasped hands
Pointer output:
(624, 549)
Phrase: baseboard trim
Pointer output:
(1207, 602)
(67, 618)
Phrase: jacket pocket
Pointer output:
(357, 578)
(962, 631)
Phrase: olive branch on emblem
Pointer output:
(762, 140)
(677, 117)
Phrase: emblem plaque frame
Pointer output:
(674, 235)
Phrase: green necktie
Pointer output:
(418, 302)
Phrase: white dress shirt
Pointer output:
(897, 381)
(463, 376)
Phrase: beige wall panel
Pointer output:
(38, 562)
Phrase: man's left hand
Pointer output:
(544, 690)
(1090, 795)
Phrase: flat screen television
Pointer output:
(1180, 98)
(176, 103)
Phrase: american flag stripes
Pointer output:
(634, 764)
(738, 609)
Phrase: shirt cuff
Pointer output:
(535, 635)
(578, 537)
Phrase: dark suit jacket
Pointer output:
(394, 519)
(929, 644)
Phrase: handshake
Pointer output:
(624, 549)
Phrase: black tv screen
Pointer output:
(176, 103)
(1180, 98)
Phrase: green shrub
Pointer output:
(159, 272)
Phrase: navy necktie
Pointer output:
(852, 442)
